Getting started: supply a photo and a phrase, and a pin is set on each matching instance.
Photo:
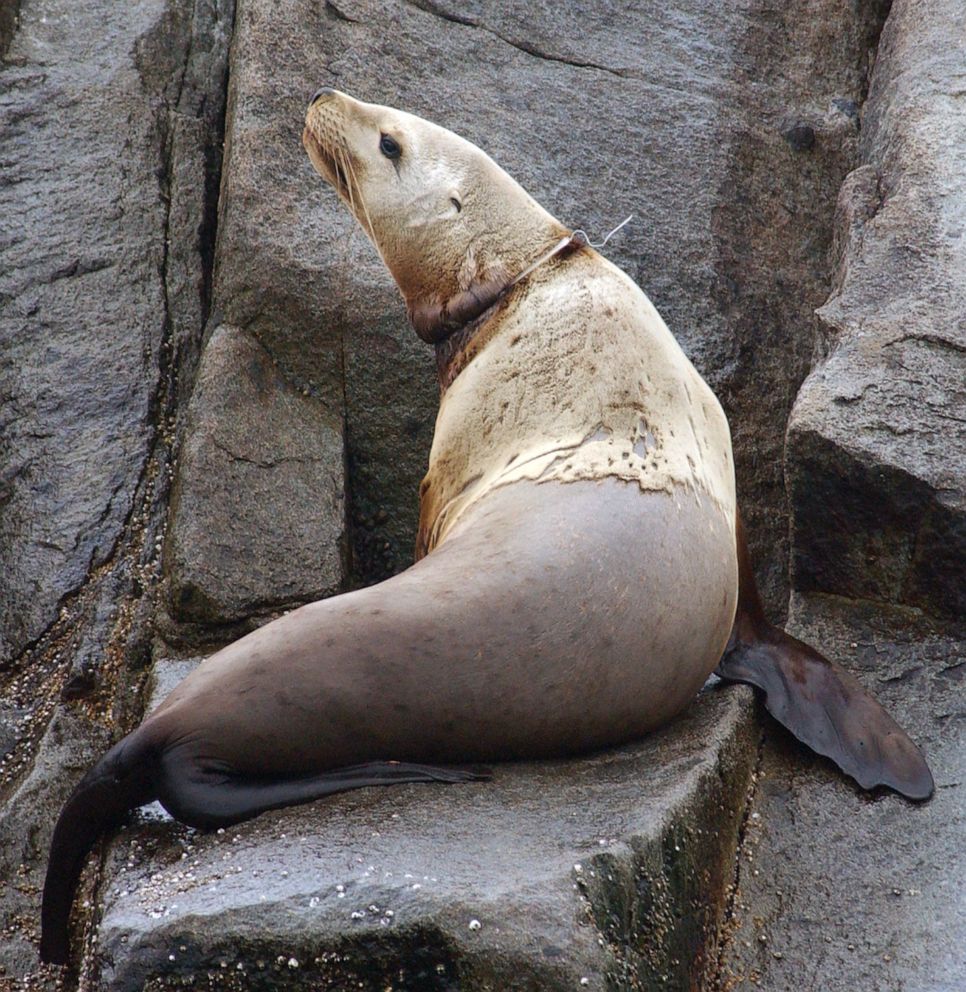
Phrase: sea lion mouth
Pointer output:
(331, 163)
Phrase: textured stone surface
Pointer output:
(259, 513)
(109, 140)
(82, 302)
(838, 890)
(91, 305)
(841, 891)
(9, 17)
(877, 441)
(610, 868)
(258, 505)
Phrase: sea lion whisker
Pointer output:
(362, 203)
(368, 226)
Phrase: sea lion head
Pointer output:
(452, 227)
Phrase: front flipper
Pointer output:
(817, 700)
(213, 797)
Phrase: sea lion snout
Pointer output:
(321, 92)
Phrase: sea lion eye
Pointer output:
(389, 147)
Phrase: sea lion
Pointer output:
(581, 566)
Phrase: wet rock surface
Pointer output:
(839, 890)
(550, 873)
(276, 456)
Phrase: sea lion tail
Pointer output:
(817, 700)
(126, 777)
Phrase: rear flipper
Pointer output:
(213, 797)
(817, 700)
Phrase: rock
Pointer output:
(83, 304)
(110, 124)
(876, 457)
(165, 674)
(294, 271)
(838, 890)
(9, 16)
(257, 509)
(89, 240)
(608, 868)
(68, 746)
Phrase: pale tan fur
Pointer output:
(581, 380)
(406, 206)
(575, 376)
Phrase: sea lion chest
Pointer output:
(578, 379)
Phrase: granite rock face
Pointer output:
(110, 135)
(257, 508)
(83, 310)
(884, 414)
(211, 408)
(836, 890)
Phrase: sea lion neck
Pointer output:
(457, 346)
(489, 267)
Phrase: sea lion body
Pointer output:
(578, 520)
(579, 550)
(577, 378)
(555, 618)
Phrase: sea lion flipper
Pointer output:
(824, 706)
(217, 797)
(122, 780)
(829, 711)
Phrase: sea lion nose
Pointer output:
(319, 93)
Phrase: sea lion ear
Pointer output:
(456, 202)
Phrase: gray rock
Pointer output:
(110, 123)
(165, 674)
(876, 456)
(67, 747)
(9, 18)
(607, 868)
(840, 891)
(86, 240)
(82, 315)
(293, 271)
(257, 508)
